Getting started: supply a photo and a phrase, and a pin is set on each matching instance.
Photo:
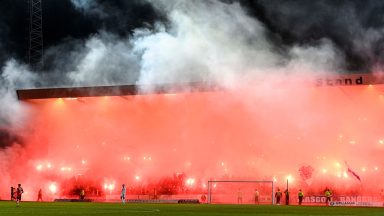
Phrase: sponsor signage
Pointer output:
(345, 199)
(346, 203)
(349, 80)
(340, 81)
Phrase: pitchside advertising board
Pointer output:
(346, 201)
(358, 204)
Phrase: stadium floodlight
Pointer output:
(240, 192)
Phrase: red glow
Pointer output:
(145, 140)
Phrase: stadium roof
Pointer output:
(121, 90)
(124, 90)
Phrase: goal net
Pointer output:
(240, 192)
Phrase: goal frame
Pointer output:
(210, 182)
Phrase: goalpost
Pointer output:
(240, 192)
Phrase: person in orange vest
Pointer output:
(82, 194)
(328, 196)
(300, 195)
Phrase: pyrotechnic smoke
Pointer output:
(89, 7)
(13, 76)
(83, 4)
(354, 26)
(224, 45)
(264, 118)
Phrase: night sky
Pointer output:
(62, 21)
(345, 23)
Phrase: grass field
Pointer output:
(57, 209)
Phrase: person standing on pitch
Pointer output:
(40, 196)
(278, 195)
(19, 192)
(300, 195)
(12, 193)
(286, 192)
(123, 191)
(257, 194)
(82, 194)
(239, 197)
(328, 195)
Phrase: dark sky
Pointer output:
(61, 21)
(348, 24)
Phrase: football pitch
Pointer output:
(57, 209)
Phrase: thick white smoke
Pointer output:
(218, 42)
(13, 76)
(206, 41)
(355, 25)
(107, 60)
